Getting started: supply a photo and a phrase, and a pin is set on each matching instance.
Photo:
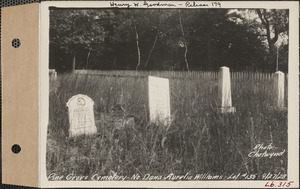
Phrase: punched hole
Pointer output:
(16, 148)
(16, 43)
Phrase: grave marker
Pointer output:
(159, 100)
(81, 116)
(279, 88)
(225, 91)
(52, 74)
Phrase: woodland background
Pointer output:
(169, 39)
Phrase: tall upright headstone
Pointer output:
(159, 100)
(279, 89)
(224, 86)
(81, 116)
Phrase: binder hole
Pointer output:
(16, 42)
(16, 148)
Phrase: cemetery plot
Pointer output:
(198, 135)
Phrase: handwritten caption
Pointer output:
(279, 184)
(149, 4)
(170, 177)
(267, 151)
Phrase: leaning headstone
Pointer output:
(81, 116)
(225, 91)
(279, 89)
(159, 100)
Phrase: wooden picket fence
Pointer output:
(177, 74)
(267, 79)
(172, 74)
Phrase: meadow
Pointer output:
(199, 140)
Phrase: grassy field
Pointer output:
(199, 140)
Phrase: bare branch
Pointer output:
(260, 16)
(265, 17)
(138, 47)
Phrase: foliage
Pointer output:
(152, 39)
(76, 31)
(271, 26)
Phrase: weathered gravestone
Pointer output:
(279, 89)
(52, 74)
(159, 100)
(81, 116)
(54, 84)
(225, 91)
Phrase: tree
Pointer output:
(152, 39)
(158, 32)
(275, 22)
(184, 40)
(270, 26)
(76, 31)
(216, 40)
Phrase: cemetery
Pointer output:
(129, 123)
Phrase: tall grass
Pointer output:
(199, 140)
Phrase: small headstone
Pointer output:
(81, 116)
(225, 91)
(54, 84)
(52, 74)
(159, 100)
(279, 89)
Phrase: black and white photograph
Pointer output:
(168, 91)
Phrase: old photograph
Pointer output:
(166, 93)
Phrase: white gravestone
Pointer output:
(159, 100)
(279, 89)
(52, 74)
(225, 91)
(81, 116)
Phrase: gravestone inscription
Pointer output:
(81, 116)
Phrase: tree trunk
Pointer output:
(185, 57)
(272, 57)
(185, 43)
(277, 57)
(74, 63)
(87, 58)
(138, 48)
(151, 50)
(115, 63)
(271, 40)
(73, 48)
(209, 49)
